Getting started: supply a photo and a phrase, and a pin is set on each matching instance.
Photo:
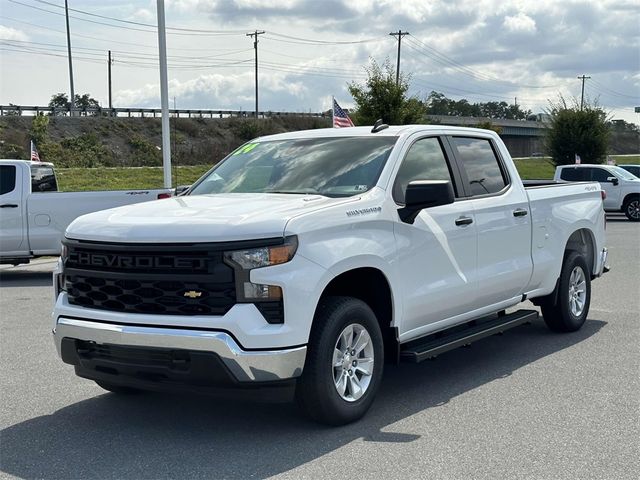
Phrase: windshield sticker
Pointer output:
(360, 188)
(246, 149)
(363, 211)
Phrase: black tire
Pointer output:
(316, 392)
(631, 209)
(558, 314)
(119, 389)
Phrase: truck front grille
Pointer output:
(170, 297)
(189, 279)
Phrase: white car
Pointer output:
(34, 214)
(308, 259)
(622, 187)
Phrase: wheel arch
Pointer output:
(583, 242)
(371, 285)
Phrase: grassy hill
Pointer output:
(135, 142)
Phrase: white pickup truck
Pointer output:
(622, 188)
(34, 215)
(308, 259)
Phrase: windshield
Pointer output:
(624, 174)
(333, 167)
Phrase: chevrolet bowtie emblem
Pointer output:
(192, 294)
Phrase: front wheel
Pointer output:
(631, 209)
(344, 363)
(569, 311)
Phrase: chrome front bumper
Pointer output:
(245, 366)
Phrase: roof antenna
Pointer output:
(379, 126)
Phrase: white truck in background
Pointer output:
(622, 187)
(34, 215)
(309, 259)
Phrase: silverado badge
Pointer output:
(192, 294)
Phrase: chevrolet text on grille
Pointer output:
(131, 261)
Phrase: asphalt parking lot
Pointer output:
(527, 404)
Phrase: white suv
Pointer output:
(622, 187)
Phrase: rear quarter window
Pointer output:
(43, 179)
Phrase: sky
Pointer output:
(482, 50)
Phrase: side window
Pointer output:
(600, 175)
(573, 174)
(43, 179)
(425, 160)
(481, 165)
(7, 178)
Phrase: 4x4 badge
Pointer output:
(192, 294)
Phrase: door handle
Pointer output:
(520, 212)
(9, 205)
(464, 221)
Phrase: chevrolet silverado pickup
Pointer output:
(309, 259)
(34, 215)
(621, 187)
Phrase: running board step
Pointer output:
(423, 349)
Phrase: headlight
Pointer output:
(264, 256)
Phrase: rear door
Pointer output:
(502, 218)
(12, 239)
(436, 264)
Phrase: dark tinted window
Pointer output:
(481, 165)
(43, 179)
(7, 178)
(633, 169)
(574, 174)
(341, 166)
(425, 160)
(600, 174)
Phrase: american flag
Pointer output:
(340, 117)
(34, 152)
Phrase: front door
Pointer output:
(437, 253)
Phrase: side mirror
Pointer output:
(180, 189)
(613, 180)
(423, 194)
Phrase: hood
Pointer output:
(199, 218)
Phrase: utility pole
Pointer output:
(72, 100)
(110, 62)
(164, 96)
(398, 34)
(583, 78)
(255, 47)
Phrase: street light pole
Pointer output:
(164, 96)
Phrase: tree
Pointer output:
(39, 126)
(381, 97)
(438, 104)
(82, 102)
(574, 131)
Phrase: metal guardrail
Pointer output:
(20, 110)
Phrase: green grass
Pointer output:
(84, 179)
(626, 159)
(535, 168)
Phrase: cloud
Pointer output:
(520, 23)
(8, 33)
(144, 14)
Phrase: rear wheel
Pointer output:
(344, 363)
(566, 309)
(631, 209)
